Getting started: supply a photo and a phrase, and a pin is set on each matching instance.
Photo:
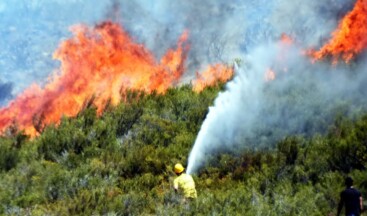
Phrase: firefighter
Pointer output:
(184, 183)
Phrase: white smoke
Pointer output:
(236, 110)
(303, 99)
(221, 30)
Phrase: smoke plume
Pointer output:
(254, 112)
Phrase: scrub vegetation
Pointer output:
(121, 163)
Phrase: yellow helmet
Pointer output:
(179, 168)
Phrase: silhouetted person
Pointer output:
(351, 198)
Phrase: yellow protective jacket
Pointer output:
(186, 184)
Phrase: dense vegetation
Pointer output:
(121, 164)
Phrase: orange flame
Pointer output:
(211, 76)
(97, 63)
(350, 38)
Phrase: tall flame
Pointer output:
(350, 38)
(98, 63)
(211, 76)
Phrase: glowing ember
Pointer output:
(97, 63)
(350, 38)
(269, 75)
(285, 43)
(211, 76)
(285, 39)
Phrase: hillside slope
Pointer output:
(121, 163)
